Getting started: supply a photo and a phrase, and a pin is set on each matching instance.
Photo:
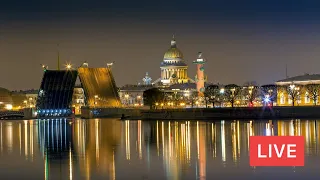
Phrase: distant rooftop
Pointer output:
(186, 86)
(136, 87)
(305, 77)
(29, 91)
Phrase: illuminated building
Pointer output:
(298, 84)
(173, 67)
(78, 99)
(132, 95)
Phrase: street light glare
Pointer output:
(68, 66)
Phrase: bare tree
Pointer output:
(232, 91)
(212, 93)
(269, 92)
(293, 92)
(193, 96)
(251, 93)
(313, 92)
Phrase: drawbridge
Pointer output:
(55, 93)
(99, 87)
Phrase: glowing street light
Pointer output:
(68, 66)
(8, 106)
(292, 86)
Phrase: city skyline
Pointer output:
(258, 39)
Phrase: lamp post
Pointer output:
(26, 103)
(139, 100)
(95, 100)
(30, 102)
(127, 99)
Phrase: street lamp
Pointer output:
(292, 86)
(68, 66)
(26, 103)
(139, 99)
(127, 99)
(95, 100)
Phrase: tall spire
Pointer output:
(173, 41)
(58, 58)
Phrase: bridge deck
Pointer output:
(55, 94)
(99, 87)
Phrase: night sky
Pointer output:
(241, 40)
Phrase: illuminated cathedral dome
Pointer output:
(173, 67)
(173, 53)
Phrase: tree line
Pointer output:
(247, 95)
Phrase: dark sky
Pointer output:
(241, 40)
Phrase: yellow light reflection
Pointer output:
(238, 133)
(97, 140)
(70, 164)
(1, 138)
(187, 139)
(202, 153)
(213, 133)
(234, 142)
(158, 150)
(162, 133)
(198, 141)
(169, 139)
(139, 140)
(113, 169)
(9, 136)
(127, 126)
(20, 141)
(31, 139)
(26, 138)
(223, 142)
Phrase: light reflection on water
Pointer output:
(113, 149)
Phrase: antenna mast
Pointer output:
(58, 58)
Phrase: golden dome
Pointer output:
(173, 52)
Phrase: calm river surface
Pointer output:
(113, 149)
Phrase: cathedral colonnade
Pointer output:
(180, 73)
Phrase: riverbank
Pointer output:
(206, 113)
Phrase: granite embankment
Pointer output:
(206, 113)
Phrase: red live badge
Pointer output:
(276, 151)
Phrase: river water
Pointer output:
(113, 149)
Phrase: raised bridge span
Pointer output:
(99, 87)
(57, 87)
(55, 93)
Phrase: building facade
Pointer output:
(132, 95)
(173, 67)
(78, 99)
(299, 90)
